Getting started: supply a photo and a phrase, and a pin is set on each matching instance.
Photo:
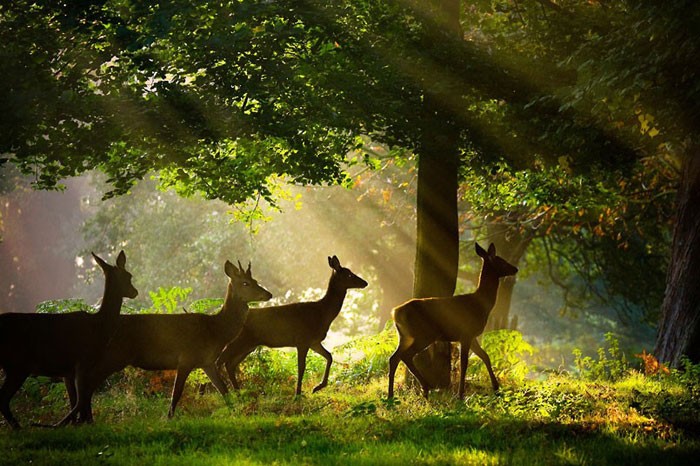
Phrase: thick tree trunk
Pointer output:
(437, 240)
(679, 327)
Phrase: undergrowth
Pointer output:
(608, 410)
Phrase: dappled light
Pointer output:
(302, 190)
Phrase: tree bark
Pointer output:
(679, 326)
(437, 238)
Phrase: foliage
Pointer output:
(558, 419)
(367, 358)
(275, 369)
(689, 375)
(61, 306)
(168, 300)
(651, 365)
(206, 305)
(507, 350)
(611, 364)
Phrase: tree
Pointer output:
(633, 78)
(650, 88)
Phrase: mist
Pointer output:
(172, 242)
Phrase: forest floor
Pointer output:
(556, 419)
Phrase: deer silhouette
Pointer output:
(462, 318)
(300, 325)
(181, 342)
(60, 345)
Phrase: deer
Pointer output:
(421, 322)
(301, 325)
(180, 342)
(60, 345)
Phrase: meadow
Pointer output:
(606, 410)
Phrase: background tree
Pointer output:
(635, 81)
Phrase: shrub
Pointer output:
(506, 349)
(368, 356)
(62, 306)
(611, 364)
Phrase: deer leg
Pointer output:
(233, 362)
(234, 353)
(88, 383)
(178, 386)
(463, 363)
(479, 351)
(393, 364)
(70, 388)
(329, 360)
(86, 388)
(13, 382)
(406, 352)
(75, 385)
(301, 366)
(407, 359)
(394, 361)
(213, 374)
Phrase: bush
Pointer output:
(611, 364)
(62, 306)
(368, 356)
(506, 349)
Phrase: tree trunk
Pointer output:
(679, 327)
(437, 239)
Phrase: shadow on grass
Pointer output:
(370, 439)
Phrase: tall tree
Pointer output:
(437, 237)
(644, 66)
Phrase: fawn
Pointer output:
(300, 325)
(462, 318)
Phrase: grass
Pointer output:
(558, 420)
(609, 413)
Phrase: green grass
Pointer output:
(558, 420)
(609, 413)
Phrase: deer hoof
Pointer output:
(317, 388)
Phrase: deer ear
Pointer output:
(334, 262)
(103, 265)
(492, 250)
(121, 260)
(229, 269)
(479, 250)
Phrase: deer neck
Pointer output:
(111, 300)
(233, 305)
(332, 301)
(487, 290)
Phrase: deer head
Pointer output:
(493, 264)
(118, 275)
(245, 286)
(343, 277)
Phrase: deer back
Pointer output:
(306, 323)
(166, 341)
